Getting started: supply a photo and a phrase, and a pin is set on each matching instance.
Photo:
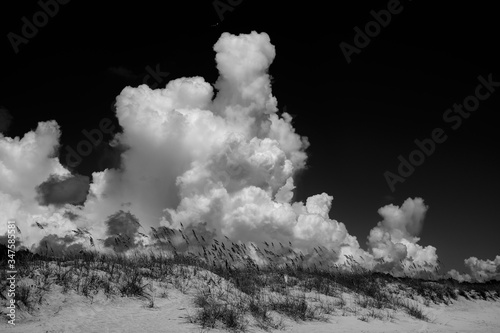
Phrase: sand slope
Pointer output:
(75, 313)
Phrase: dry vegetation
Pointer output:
(230, 290)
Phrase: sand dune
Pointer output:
(72, 312)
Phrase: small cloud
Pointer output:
(58, 190)
(123, 72)
(460, 277)
(57, 246)
(483, 270)
(122, 227)
(70, 215)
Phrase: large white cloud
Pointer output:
(25, 163)
(219, 159)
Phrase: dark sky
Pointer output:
(359, 116)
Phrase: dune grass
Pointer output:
(230, 290)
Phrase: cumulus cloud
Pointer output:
(460, 277)
(29, 161)
(61, 190)
(217, 159)
(122, 228)
(25, 163)
(478, 270)
(54, 245)
(483, 270)
(393, 242)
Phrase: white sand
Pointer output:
(461, 316)
(75, 313)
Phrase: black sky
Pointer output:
(359, 117)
